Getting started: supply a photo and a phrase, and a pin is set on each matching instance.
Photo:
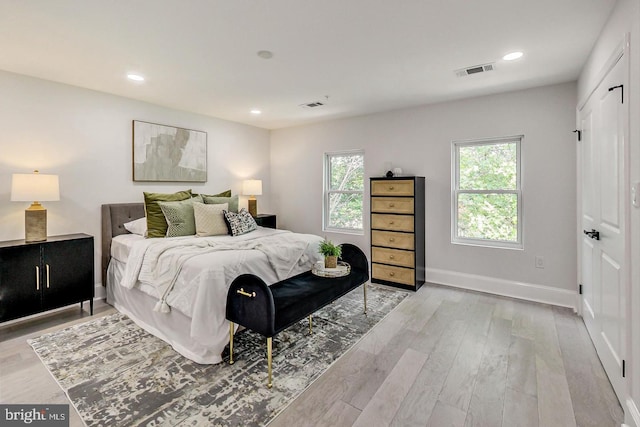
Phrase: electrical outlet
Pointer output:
(539, 261)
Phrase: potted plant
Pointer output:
(331, 253)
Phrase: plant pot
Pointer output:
(330, 262)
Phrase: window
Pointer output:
(487, 195)
(343, 191)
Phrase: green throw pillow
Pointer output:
(223, 194)
(213, 200)
(180, 217)
(156, 223)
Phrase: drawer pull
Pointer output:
(392, 257)
(391, 205)
(391, 222)
(242, 292)
(391, 187)
(37, 278)
(391, 239)
(392, 274)
(47, 268)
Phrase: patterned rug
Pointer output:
(116, 374)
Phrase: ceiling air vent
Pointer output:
(312, 104)
(475, 70)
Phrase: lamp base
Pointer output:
(35, 225)
(253, 207)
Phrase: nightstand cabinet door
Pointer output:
(68, 271)
(36, 277)
(398, 231)
(20, 291)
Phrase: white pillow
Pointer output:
(138, 226)
(210, 220)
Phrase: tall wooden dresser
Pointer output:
(398, 231)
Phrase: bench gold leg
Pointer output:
(269, 384)
(230, 343)
(310, 329)
(364, 286)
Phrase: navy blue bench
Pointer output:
(268, 310)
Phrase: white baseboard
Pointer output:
(100, 292)
(632, 414)
(508, 288)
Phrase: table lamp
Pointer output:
(252, 188)
(35, 187)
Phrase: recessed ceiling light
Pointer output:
(265, 54)
(256, 112)
(512, 56)
(135, 77)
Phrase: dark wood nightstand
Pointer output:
(36, 277)
(266, 220)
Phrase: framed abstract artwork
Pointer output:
(169, 154)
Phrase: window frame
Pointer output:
(327, 192)
(456, 191)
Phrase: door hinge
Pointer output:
(624, 371)
(580, 289)
(579, 132)
(621, 91)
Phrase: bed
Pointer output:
(186, 307)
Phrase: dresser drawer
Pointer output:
(392, 222)
(392, 239)
(393, 256)
(402, 275)
(402, 205)
(402, 187)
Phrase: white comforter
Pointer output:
(193, 274)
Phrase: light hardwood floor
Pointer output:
(444, 357)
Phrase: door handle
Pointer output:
(593, 234)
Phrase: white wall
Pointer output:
(86, 138)
(419, 141)
(625, 19)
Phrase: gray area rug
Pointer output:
(116, 374)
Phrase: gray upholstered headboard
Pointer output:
(113, 218)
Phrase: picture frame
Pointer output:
(163, 153)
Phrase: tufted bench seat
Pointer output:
(268, 310)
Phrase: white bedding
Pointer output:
(199, 289)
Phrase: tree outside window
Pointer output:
(344, 191)
(487, 196)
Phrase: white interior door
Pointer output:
(603, 126)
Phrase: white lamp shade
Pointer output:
(252, 187)
(30, 187)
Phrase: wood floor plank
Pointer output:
(591, 409)
(446, 416)
(555, 407)
(520, 409)
(521, 372)
(385, 403)
(458, 387)
(423, 395)
(487, 401)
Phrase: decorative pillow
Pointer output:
(210, 219)
(223, 194)
(180, 217)
(214, 200)
(240, 223)
(137, 226)
(156, 223)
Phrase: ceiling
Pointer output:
(355, 56)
